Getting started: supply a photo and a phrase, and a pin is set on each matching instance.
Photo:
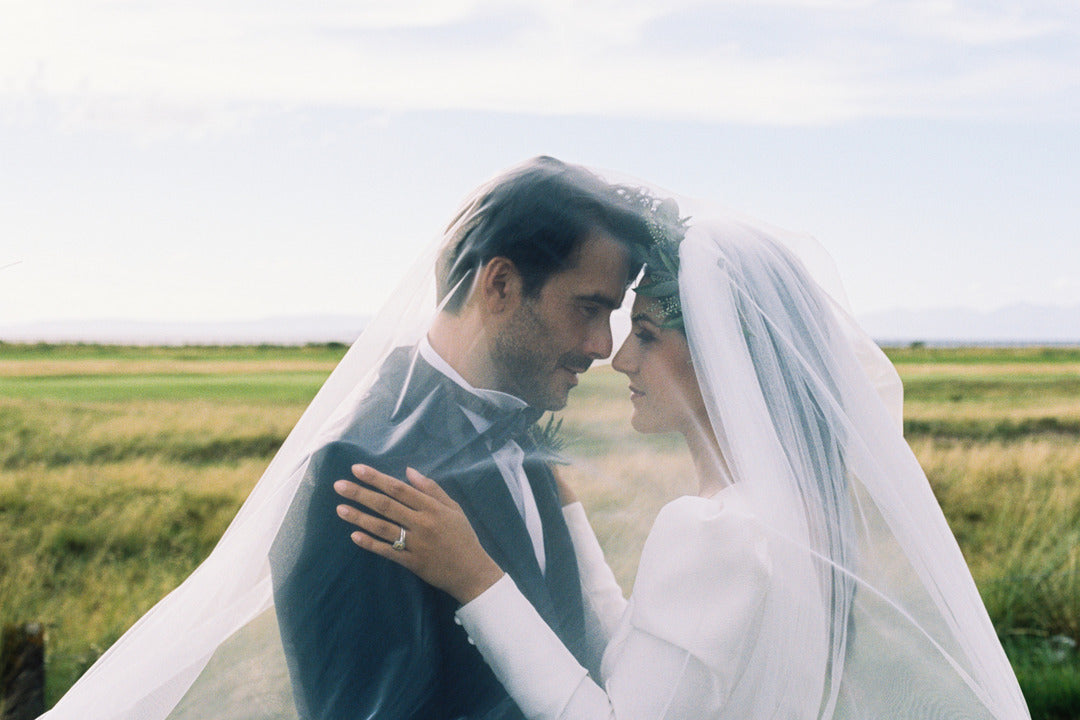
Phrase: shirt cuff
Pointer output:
(526, 655)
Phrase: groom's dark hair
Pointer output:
(537, 215)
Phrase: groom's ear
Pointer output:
(500, 285)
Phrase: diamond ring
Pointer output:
(399, 544)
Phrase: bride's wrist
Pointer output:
(478, 582)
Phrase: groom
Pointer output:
(530, 277)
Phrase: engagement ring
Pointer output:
(399, 544)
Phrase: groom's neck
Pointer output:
(461, 341)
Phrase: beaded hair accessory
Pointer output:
(661, 279)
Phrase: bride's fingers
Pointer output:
(382, 529)
(376, 501)
(400, 491)
(428, 486)
(380, 548)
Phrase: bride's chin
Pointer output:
(640, 422)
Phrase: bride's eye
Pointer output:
(644, 336)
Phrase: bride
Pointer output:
(811, 576)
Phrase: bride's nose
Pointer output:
(623, 362)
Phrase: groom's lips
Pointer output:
(575, 370)
(635, 393)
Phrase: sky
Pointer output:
(241, 159)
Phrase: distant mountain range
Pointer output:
(1014, 324)
(295, 330)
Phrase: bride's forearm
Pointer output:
(651, 678)
(524, 653)
(600, 590)
(567, 496)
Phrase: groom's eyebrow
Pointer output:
(602, 300)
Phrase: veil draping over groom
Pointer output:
(217, 645)
(871, 611)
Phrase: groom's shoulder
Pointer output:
(389, 423)
(379, 411)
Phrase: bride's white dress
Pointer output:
(683, 645)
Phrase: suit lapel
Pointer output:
(482, 493)
(460, 460)
(562, 580)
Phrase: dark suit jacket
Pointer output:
(364, 637)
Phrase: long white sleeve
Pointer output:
(602, 597)
(683, 641)
(524, 653)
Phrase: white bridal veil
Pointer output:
(806, 410)
(212, 648)
(884, 621)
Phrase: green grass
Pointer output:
(267, 387)
(324, 352)
(88, 548)
(915, 354)
(955, 388)
(120, 468)
(1049, 673)
(993, 429)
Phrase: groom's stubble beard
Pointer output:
(527, 361)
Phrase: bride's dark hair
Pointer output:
(537, 215)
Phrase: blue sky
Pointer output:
(224, 160)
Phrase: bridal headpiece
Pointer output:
(661, 280)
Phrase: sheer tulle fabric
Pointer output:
(212, 648)
(884, 618)
(799, 399)
(823, 582)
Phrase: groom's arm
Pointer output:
(356, 628)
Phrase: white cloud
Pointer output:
(198, 64)
(974, 26)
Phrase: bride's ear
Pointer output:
(499, 286)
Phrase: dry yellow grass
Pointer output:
(89, 548)
(1015, 510)
(1008, 408)
(916, 371)
(51, 368)
(108, 502)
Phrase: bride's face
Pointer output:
(663, 387)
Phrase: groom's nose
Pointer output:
(598, 342)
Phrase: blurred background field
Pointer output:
(120, 468)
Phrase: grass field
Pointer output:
(120, 468)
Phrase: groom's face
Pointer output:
(550, 339)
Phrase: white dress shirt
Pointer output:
(509, 458)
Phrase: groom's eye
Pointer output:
(589, 311)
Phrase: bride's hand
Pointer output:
(440, 545)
